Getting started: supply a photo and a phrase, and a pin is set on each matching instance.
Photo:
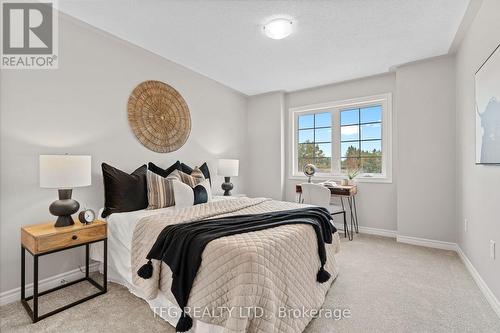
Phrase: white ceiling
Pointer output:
(333, 40)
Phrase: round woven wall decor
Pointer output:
(159, 116)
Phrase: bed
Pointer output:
(270, 270)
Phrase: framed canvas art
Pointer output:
(488, 110)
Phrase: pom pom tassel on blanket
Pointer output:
(322, 275)
(146, 270)
(184, 324)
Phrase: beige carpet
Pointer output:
(388, 287)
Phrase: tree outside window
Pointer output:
(315, 141)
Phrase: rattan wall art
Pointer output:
(159, 116)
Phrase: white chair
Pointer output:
(319, 195)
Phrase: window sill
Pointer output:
(382, 180)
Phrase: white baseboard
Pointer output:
(490, 297)
(427, 242)
(13, 295)
(371, 231)
(488, 294)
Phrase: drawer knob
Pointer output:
(74, 237)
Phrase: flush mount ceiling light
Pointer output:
(278, 28)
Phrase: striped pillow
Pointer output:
(160, 190)
(198, 174)
(192, 180)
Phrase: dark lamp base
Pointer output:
(227, 186)
(63, 208)
(64, 221)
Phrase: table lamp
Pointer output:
(64, 172)
(227, 169)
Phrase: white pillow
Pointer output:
(184, 194)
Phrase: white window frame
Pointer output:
(385, 100)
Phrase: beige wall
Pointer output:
(426, 141)
(478, 189)
(81, 109)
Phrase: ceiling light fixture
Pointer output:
(278, 28)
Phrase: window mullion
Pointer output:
(336, 141)
(314, 140)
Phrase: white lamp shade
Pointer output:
(65, 171)
(228, 168)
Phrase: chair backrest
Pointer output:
(315, 194)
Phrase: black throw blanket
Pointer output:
(180, 246)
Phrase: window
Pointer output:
(361, 139)
(342, 137)
(315, 141)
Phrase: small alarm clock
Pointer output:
(86, 216)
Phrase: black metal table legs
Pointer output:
(353, 212)
(33, 313)
(351, 201)
(347, 233)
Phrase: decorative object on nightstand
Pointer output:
(227, 168)
(86, 216)
(44, 239)
(309, 171)
(64, 172)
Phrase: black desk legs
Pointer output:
(353, 223)
(351, 201)
(354, 214)
(347, 233)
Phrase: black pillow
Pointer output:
(186, 168)
(124, 192)
(203, 168)
(164, 172)
(200, 194)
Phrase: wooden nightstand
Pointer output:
(43, 239)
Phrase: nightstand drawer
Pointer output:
(57, 241)
(45, 237)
